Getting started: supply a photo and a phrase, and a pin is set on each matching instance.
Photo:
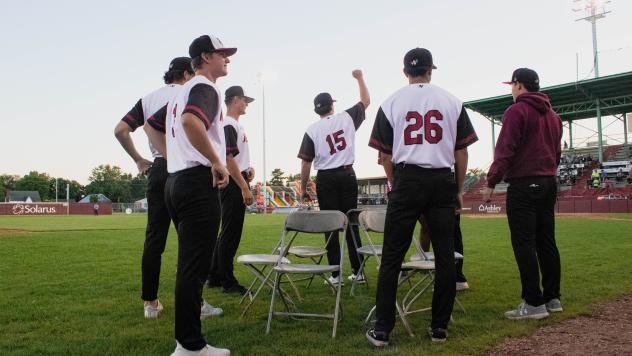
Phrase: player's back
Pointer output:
(158, 98)
(334, 141)
(424, 121)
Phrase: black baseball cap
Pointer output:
(418, 58)
(237, 91)
(181, 63)
(322, 101)
(210, 44)
(525, 76)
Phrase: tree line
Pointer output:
(104, 179)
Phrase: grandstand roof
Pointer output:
(572, 101)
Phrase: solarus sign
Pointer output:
(33, 209)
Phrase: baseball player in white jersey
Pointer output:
(196, 163)
(157, 215)
(235, 197)
(329, 144)
(422, 131)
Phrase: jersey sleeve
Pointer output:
(231, 140)
(382, 134)
(135, 118)
(465, 134)
(203, 102)
(357, 113)
(157, 120)
(307, 151)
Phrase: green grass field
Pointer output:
(71, 286)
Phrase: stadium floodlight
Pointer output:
(595, 10)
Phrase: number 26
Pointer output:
(432, 130)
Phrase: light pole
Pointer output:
(261, 79)
(596, 10)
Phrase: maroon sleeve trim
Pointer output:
(128, 119)
(466, 141)
(199, 113)
(380, 146)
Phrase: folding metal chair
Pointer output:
(422, 256)
(307, 223)
(258, 264)
(368, 221)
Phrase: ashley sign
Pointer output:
(489, 208)
(33, 209)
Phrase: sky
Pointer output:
(73, 69)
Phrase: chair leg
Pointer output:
(254, 281)
(264, 281)
(298, 295)
(402, 316)
(368, 317)
(311, 279)
(360, 271)
(458, 302)
(271, 312)
(337, 310)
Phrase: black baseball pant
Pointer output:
(158, 222)
(194, 207)
(337, 189)
(417, 191)
(531, 216)
(233, 211)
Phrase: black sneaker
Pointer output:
(377, 338)
(438, 334)
(235, 289)
(213, 283)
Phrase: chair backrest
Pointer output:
(373, 220)
(353, 216)
(316, 221)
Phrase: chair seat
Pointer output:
(260, 259)
(305, 268)
(307, 251)
(370, 250)
(430, 256)
(419, 265)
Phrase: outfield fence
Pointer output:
(105, 208)
(567, 206)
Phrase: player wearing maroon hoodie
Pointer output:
(527, 155)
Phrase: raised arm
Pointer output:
(364, 91)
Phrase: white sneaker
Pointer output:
(152, 312)
(208, 350)
(209, 310)
(359, 279)
(462, 286)
(334, 280)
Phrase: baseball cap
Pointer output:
(209, 43)
(525, 76)
(323, 100)
(181, 63)
(237, 91)
(418, 58)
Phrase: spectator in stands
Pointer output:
(620, 175)
(602, 174)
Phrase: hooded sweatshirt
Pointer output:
(529, 141)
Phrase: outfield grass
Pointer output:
(71, 286)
